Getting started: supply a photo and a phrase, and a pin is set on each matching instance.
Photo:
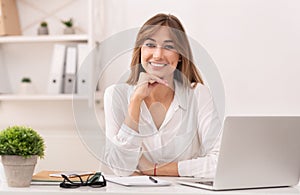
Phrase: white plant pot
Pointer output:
(43, 31)
(26, 88)
(2, 174)
(18, 170)
(68, 31)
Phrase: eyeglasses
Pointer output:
(167, 47)
(93, 180)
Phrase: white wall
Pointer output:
(254, 43)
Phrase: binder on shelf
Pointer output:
(9, 18)
(84, 70)
(55, 85)
(4, 81)
(70, 70)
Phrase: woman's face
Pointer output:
(159, 55)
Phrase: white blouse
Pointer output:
(190, 133)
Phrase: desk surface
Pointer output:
(114, 189)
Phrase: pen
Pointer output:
(152, 179)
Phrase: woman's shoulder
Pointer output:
(202, 92)
(118, 86)
(198, 90)
(199, 93)
(201, 88)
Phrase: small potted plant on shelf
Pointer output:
(19, 148)
(68, 26)
(26, 80)
(43, 29)
(26, 86)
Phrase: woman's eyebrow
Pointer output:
(151, 39)
(165, 41)
(168, 41)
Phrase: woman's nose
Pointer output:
(157, 52)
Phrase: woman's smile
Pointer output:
(157, 66)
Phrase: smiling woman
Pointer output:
(163, 120)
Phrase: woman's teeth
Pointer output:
(157, 65)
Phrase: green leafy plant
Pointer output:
(26, 80)
(44, 24)
(21, 141)
(68, 23)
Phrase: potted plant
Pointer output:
(26, 86)
(43, 29)
(26, 80)
(68, 26)
(19, 148)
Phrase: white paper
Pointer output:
(137, 181)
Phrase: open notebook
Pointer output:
(138, 181)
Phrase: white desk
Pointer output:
(114, 189)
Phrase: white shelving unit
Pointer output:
(30, 54)
(45, 38)
(45, 97)
(22, 41)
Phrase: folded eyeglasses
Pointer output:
(95, 180)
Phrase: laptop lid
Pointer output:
(256, 152)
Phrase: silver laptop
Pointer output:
(256, 152)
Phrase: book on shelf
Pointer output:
(9, 18)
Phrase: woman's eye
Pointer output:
(169, 47)
(151, 45)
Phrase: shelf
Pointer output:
(44, 38)
(41, 97)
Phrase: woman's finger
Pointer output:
(154, 79)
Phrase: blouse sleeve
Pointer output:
(123, 144)
(209, 134)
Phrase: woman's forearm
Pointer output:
(132, 119)
(168, 169)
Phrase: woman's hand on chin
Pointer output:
(145, 85)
